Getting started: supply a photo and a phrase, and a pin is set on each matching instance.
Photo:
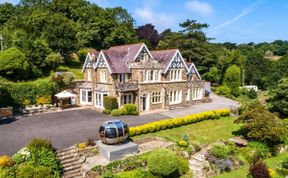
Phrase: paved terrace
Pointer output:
(71, 127)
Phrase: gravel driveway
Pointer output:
(70, 127)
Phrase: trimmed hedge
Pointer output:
(17, 94)
(110, 103)
(176, 122)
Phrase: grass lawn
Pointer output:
(203, 132)
(243, 172)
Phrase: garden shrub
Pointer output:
(18, 158)
(162, 161)
(45, 99)
(285, 163)
(8, 172)
(251, 93)
(259, 169)
(62, 69)
(176, 122)
(110, 103)
(116, 112)
(182, 143)
(25, 171)
(260, 150)
(81, 145)
(38, 143)
(131, 109)
(139, 173)
(124, 111)
(183, 166)
(220, 151)
(106, 111)
(6, 161)
(24, 93)
(223, 90)
(90, 142)
(132, 131)
(42, 171)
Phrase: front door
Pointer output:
(143, 103)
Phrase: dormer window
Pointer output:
(122, 78)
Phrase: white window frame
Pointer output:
(151, 75)
(99, 99)
(84, 97)
(175, 74)
(156, 97)
(197, 93)
(188, 95)
(103, 75)
(129, 98)
(122, 78)
(175, 96)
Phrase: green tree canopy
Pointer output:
(13, 64)
(232, 79)
(278, 100)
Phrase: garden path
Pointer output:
(197, 163)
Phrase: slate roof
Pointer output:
(164, 56)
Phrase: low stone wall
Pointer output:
(6, 112)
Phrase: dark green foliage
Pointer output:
(261, 125)
(38, 143)
(278, 100)
(252, 94)
(259, 169)
(106, 111)
(8, 172)
(162, 162)
(14, 94)
(110, 103)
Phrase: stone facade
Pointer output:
(152, 83)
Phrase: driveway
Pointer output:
(70, 127)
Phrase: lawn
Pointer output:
(243, 172)
(203, 132)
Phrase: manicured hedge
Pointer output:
(176, 122)
(15, 94)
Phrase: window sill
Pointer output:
(172, 103)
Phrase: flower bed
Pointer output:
(176, 122)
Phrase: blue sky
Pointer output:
(239, 21)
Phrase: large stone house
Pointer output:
(150, 79)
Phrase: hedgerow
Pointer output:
(176, 122)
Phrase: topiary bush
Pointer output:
(162, 162)
(176, 122)
(110, 103)
(106, 111)
(116, 112)
(182, 143)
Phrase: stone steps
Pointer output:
(71, 163)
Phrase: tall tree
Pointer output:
(278, 100)
(149, 33)
(232, 79)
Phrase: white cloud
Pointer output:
(160, 20)
(249, 9)
(199, 7)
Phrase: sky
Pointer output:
(237, 21)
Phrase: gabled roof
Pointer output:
(164, 56)
(193, 69)
(117, 61)
(90, 58)
(130, 50)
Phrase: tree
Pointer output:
(6, 12)
(278, 100)
(191, 40)
(232, 79)
(149, 33)
(261, 125)
(213, 75)
(13, 64)
(54, 59)
(60, 34)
